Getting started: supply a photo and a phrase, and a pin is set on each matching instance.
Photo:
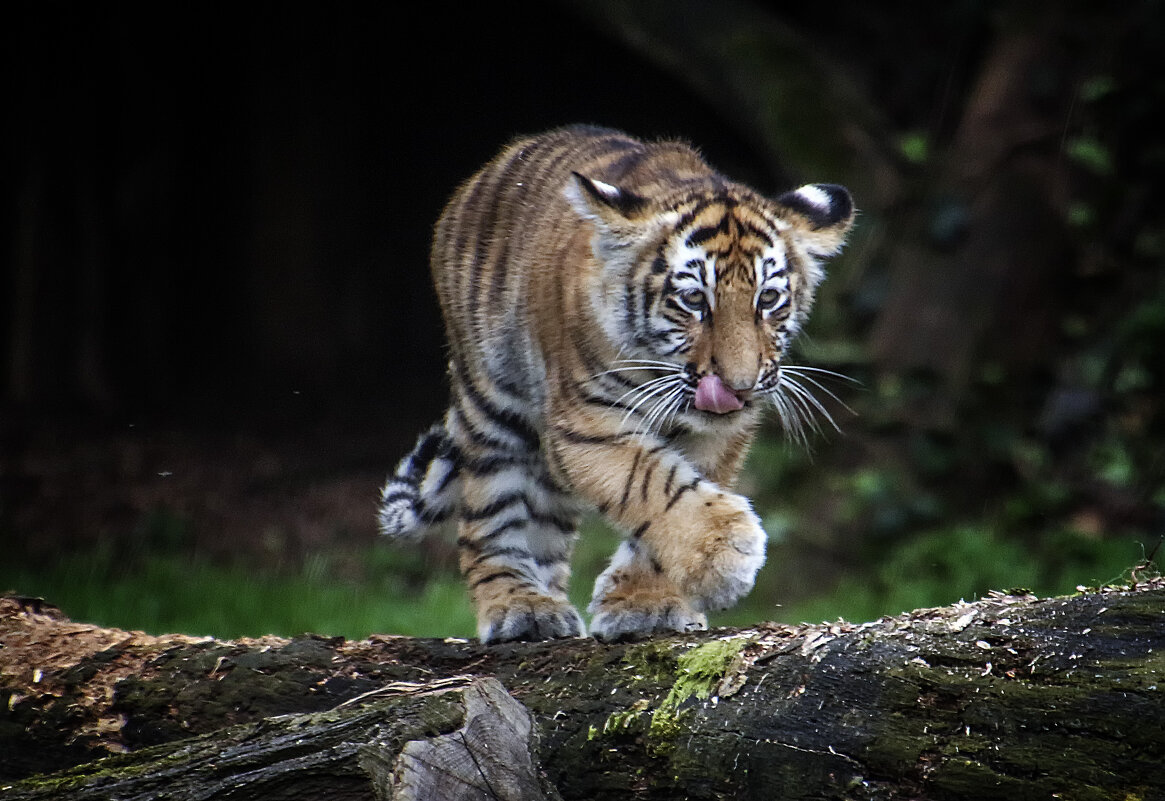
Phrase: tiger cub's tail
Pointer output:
(424, 489)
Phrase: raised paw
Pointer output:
(529, 618)
(714, 553)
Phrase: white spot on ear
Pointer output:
(611, 193)
(816, 196)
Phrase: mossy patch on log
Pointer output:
(698, 673)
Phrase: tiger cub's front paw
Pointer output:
(717, 551)
(529, 617)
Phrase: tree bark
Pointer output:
(1010, 697)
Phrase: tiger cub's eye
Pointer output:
(769, 300)
(694, 299)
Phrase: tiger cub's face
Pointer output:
(715, 282)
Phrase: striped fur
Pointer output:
(617, 313)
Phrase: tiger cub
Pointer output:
(617, 314)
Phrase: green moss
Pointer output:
(654, 660)
(623, 721)
(702, 668)
(698, 673)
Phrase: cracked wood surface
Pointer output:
(1008, 697)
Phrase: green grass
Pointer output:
(392, 591)
(943, 566)
(174, 593)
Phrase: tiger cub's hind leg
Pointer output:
(516, 543)
(633, 596)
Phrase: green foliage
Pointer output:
(1097, 88)
(915, 147)
(1091, 154)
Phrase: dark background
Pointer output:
(215, 296)
(220, 203)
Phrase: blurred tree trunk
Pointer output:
(1010, 697)
(974, 288)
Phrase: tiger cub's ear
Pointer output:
(822, 215)
(603, 202)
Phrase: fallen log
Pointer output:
(1010, 697)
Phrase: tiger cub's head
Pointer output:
(711, 278)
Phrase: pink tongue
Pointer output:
(713, 396)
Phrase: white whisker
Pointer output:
(804, 399)
(662, 385)
(661, 408)
(790, 419)
(658, 394)
(683, 401)
(798, 408)
(798, 368)
(646, 385)
(795, 372)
